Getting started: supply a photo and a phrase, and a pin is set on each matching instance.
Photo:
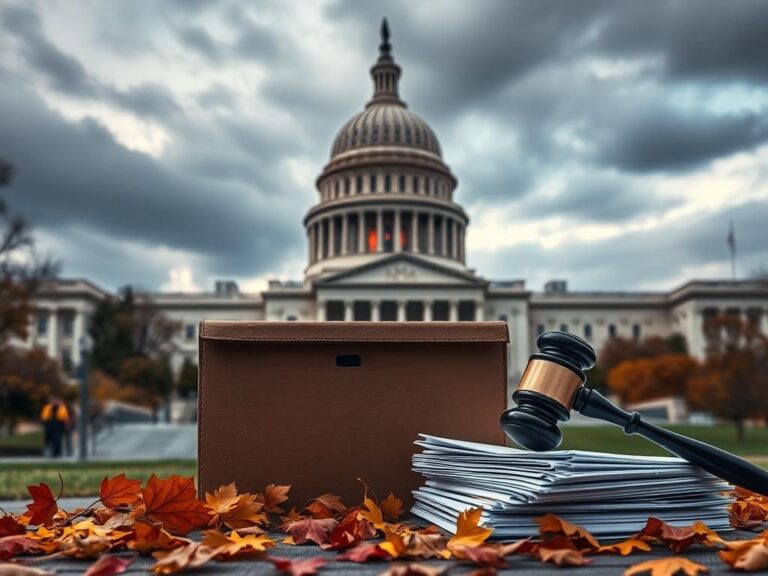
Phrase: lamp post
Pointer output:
(85, 353)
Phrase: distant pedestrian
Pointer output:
(55, 418)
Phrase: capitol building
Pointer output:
(386, 242)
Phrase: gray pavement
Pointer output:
(522, 566)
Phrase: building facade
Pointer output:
(386, 242)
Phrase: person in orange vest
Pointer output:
(55, 418)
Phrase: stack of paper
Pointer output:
(611, 495)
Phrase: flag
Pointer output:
(731, 240)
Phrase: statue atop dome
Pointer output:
(385, 73)
(385, 48)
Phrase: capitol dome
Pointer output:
(386, 125)
(386, 189)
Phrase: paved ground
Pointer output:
(147, 442)
(603, 565)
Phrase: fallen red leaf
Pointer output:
(12, 546)
(43, 506)
(314, 529)
(120, 491)
(305, 567)
(9, 526)
(110, 565)
(364, 552)
(275, 494)
(173, 502)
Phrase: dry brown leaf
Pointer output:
(304, 567)
(392, 508)
(119, 491)
(173, 502)
(625, 547)
(486, 555)
(150, 538)
(192, 555)
(275, 494)
(11, 569)
(414, 570)
(562, 557)
(234, 545)
(678, 538)
(310, 529)
(668, 566)
(550, 524)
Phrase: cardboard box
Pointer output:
(317, 405)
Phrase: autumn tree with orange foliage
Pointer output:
(733, 380)
(649, 378)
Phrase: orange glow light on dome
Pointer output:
(372, 240)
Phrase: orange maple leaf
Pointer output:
(273, 495)
(314, 529)
(331, 501)
(223, 499)
(150, 537)
(550, 524)
(120, 491)
(234, 510)
(392, 507)
(43, 506)
(372, 513)
(235, 545)
(173, 502)
(746, 554)
(666, 567)
(468, 532)
(485, 555)
(626, 547)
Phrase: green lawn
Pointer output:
(81, 479)
(613, 439)
(29, 443)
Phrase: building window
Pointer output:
(401, 184)
(540, 329)
(466, 310)
(68, 324)
(612, 330)
(359, 185)
(503, 317)
(414, 310)
(347, 186)
(636, 331)
(415, 184)
(42, 323)
(336, 189)
(334, 310)
(388, 311)
(588, 331)
(563, 327)
(189, 332)
(440, 310)
(372, 183)
(387, 183)
(361, 310)
(291, 318)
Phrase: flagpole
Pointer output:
(732, 246)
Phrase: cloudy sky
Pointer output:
(168, 143)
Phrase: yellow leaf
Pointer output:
(468, 533)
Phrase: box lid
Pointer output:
(463, 332)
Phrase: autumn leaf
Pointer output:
(304, 567)
(317, 509)
(223, 499)
(626, 547)
(292, 516)
(549, 524)
(110, 565)
(43, 505)
(562, 557)
(364, 552)
(348, 532)
(10, 526)
(392, 508)
(173, 502)
(394, 545)
(414, 570)
(485, 555)
(666, 567)
(12, 546)
(192, 555)
(235, 545)
(332, 502)
(150, 537)
(678, 538)
(314, 529)
(120, 491)
(11, 569)
(519, 547)
(247, 512)
(468, 533)
(273, 495)
(372, 513)
(746, 554)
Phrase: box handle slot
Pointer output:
(349, 360)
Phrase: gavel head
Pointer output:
(547, 390)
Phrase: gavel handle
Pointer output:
(715, 461)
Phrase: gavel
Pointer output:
(554, 383)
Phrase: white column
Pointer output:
(479, 310)
(344, 233)
(427, 310)
(312, 250)
(454, 238)
(444, 237)
(379, 230)
(321, 310)
(375, 310)
(78, 331)
(453, 310)
(431, 234)
(397, 244)
(415, 232)
(361, 239)
(331, 237)
(401, 310)
(53, 334)
(349, 310)
(318, 241)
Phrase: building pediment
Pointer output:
(402, 269)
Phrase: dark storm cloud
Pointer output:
(663, 139)
(89, 181)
